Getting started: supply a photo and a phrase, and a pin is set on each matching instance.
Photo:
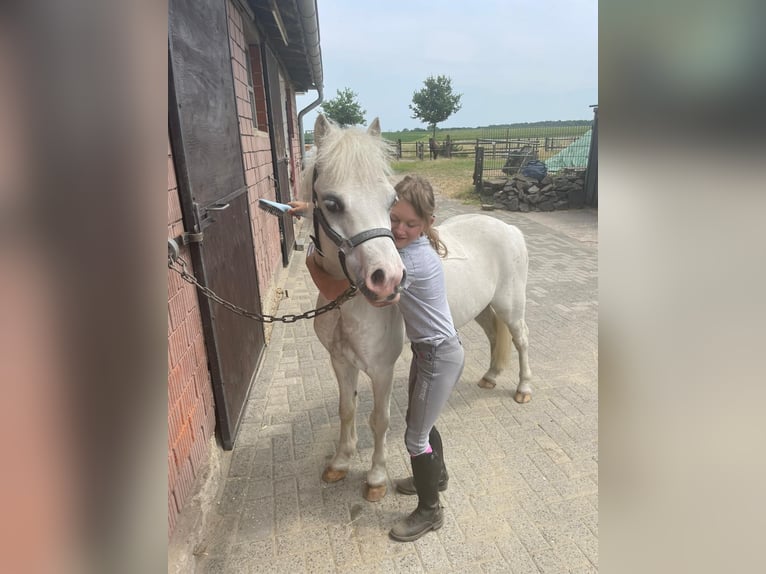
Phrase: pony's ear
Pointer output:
(321, 127)
(374, 129)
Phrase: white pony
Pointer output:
(486, 276)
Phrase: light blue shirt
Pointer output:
(423, 302)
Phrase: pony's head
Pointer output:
(352, 196)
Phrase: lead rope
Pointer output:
(179, 266)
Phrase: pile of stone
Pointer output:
(564, 190)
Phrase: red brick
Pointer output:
(179, 343)
(186, 364)
(191, 299)
(174, 207)
(197, 349)
(187, 475)
(187, 400)
(175, 283)
(199, 451)
(174, 425)
(184, 484)
(175, 385)
(182, 445)
(197, 419)
(187, 367)
(175, 347)
(191, 335)
(203, 377)
(176, 311)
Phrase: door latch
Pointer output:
(174, 245)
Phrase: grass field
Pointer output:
(451, 177)
(493, 132)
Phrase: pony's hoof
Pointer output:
(522, 397)
(487, 384)
(332, 475)
(374, 493)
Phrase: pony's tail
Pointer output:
(503, 343)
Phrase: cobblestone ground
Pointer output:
(523, 490)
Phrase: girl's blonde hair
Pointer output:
(418, 192)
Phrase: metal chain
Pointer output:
(179, 266)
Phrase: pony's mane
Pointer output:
(352, 152)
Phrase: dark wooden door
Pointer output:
(207, 152)
(275, 96)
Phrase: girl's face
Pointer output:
(405, 224)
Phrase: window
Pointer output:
(250, 90)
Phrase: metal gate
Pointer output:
(591, 175)
(205, 138)
(274, 99)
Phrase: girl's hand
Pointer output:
(299, 208)
(385, 302)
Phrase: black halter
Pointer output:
(345, 246)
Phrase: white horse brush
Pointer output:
(273, 207)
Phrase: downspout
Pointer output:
(310, 24)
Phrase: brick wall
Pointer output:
(191, 418)
(256, 155)
(295, 146)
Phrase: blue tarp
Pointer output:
(575, 155)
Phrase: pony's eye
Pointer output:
(332, 206)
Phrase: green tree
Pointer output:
(344, 109)
(435, 102)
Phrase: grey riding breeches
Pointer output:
(434, 371)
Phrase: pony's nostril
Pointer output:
(378, 277)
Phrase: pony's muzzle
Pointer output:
(380, 288)
(398, 289)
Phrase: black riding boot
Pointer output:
(426, 469)
(407, 485)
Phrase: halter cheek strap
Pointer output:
(345, 246)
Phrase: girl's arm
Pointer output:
(328, 285)
(384, 303)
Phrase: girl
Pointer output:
(437, 354)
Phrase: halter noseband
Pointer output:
(345, 246)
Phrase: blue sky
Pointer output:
(513, 60)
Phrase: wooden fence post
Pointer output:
(478, 168)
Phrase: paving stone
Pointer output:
(408, 564)
(523, 491)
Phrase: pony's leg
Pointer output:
(520, 334)
(348, 376)
(499, 345)
(382, 381)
